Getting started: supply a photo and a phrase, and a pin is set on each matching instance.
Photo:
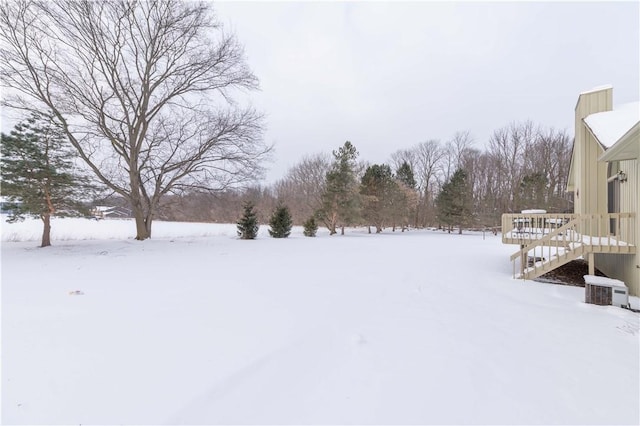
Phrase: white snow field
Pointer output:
(198, 327)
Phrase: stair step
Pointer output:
(552, 263)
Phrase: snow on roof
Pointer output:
(603, 281)
(610, 126)
(597, 89)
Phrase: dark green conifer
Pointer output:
(405, 175)
(341, 199)
(454, 201)
(280, 222)
(248, 224)
(310, 227)
(39, 175)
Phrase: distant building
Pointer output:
(102, 212)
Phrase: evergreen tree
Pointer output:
(401, 205)
(280, 222)
(377, 188)
(407, 187)
(38, 174)
(248, 224)
(405, 175)
(532, 191)
(310, 227)
(454, 201)
(340, 201)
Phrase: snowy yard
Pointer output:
(198, 327)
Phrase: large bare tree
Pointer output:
(144, 91)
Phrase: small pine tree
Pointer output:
(280, 222)
(310, 227)
(248, 224)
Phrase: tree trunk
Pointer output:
(141, 228)
(46, 217)
(46, 232)
(342, 230)
(331, 226)
(143, 221)
(148, 221)
(330, 222)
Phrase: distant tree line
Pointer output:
(450, 185)
(432, 184)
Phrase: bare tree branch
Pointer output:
(144, 92)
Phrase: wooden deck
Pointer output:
(548, 241)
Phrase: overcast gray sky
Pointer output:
(388, 75)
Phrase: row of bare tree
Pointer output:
(523, 166)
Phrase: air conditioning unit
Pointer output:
(605, 291)
(620, 296)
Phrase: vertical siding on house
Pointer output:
(629, 189)
(590, 175)
(626, 267)
(590, 186)
(621, 267)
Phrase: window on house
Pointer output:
(613, 196)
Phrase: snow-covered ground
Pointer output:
(198, 327)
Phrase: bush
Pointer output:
(280, 223)
(310, 227)
(248, 225)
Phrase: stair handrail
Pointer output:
(539, 241)
(538, 270)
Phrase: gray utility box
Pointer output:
(606, 291)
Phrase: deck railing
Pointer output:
(550, 240)
(600, 230)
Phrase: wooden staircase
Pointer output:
(541, 252)
(549, 252)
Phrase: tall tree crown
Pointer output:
(143, 90)
(405, 175)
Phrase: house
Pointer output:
(102, 212)
(604, 177)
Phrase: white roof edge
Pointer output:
(598, 88)
(595, 135)
(609, 126)
(613, 151)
